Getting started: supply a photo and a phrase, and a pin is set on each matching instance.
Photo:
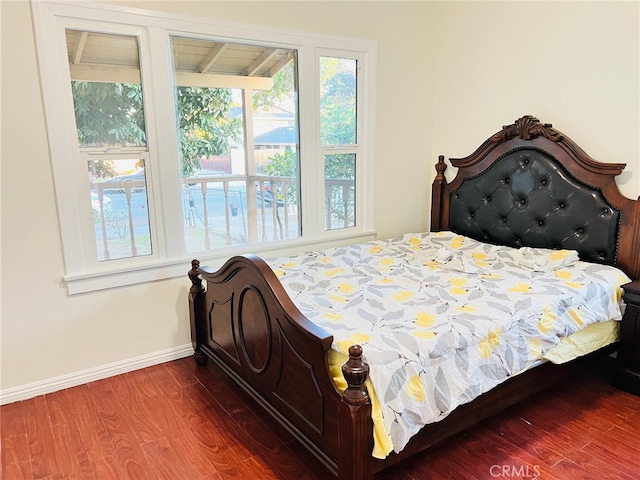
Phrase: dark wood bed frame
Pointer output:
(246, 323)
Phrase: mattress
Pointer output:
(443, 318)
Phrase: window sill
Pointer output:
(103, 280)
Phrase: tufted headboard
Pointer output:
(530, 185)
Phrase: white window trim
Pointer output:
(169, 260)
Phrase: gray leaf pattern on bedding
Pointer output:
(443, 318)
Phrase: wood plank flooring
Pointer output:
(163, 423)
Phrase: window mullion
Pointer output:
(311, 165)
(163, 142)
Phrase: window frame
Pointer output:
(154, 30)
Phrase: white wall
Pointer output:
(442, 88)
(572, 64)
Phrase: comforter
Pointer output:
(443, 318)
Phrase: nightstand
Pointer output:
(628, 365)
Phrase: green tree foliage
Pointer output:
(338, 115)
(282, 164)
(205, 128)
(108, 115)
(337, 101)
(283, 86)
(111, 115)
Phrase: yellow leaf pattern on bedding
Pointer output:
(333, 316)
(575, 285)
(356, 338)
(520, 287)
(457, 242)
(334, 272)
(559, 254)
(487, 345)
(375, 249)
(480, 259)
(387, 261)
(338, 298)
(403, 296)
(457, 291)
(415, 388)
(386, 280)
(345, 288)
(424, 319)
(563, 274)
(547, 320)
(484, 348)
(466, 308)
(491, 275)
(289, 265)
(575, 314)
(279, 273)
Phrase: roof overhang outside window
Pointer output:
(100, 57)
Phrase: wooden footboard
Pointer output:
(246, 323)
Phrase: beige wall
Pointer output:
(443, 87)
(572, 64)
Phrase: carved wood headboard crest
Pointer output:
(527, 128)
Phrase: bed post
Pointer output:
(355, 444)
(437, 190)
(196, 311)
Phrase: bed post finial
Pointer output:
(355, 438)
(196, 281)
(355, 372)
(440, 169)
(437, 192)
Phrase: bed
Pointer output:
(527, 187)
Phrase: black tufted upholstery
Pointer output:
(527, 199)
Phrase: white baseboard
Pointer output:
(31, 390)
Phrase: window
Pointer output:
(175, 137)
(338, 138)
(109, 118)
(238, 153)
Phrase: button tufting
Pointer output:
(561, 205)
(522, 201)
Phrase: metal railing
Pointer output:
(218, 210)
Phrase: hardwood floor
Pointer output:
(162, 423)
